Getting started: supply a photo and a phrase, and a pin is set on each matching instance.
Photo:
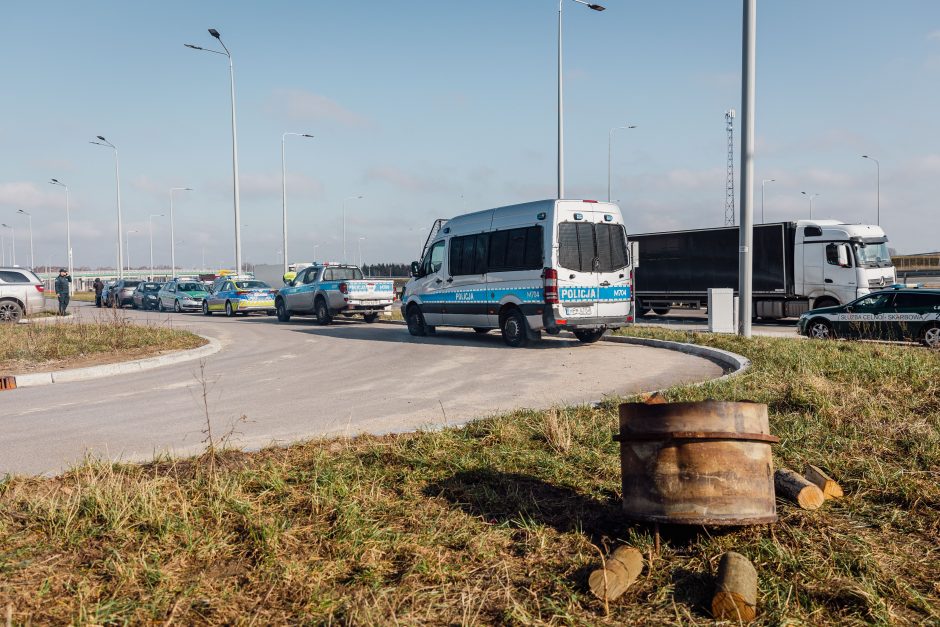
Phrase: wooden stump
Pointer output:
(620, 571)
(797, 489)
(736, 589)
(829, 486)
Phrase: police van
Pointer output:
(549, 265)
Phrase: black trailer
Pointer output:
(677, 269)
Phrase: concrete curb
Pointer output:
(733, 363)
(124, 367)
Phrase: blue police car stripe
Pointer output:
(575, 294)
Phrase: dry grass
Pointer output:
(499, 521)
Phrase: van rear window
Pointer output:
(587, 247)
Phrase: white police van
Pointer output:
(547, 265)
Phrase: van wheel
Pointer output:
(283, 315)
(589, 336)
(228, 309)
(10, 311)
(661, 311)
(931, 336)
(370, 318)
(820, 329)
(481, 330)
(322, 312)
(416, 324)
(514, 329)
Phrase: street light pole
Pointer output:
(12, 243)
(68, 229)
(746, 233)
(811, 197)
(29, 221)
(610, 137)
(127, 245)
(762, 183)
(235, 192)
(117, 178)
(150, 227)
(344, 223)
(173, 231)
(878, 166)
(284, 190)
(360, 252)
(561, 99)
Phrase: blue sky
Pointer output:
(430, 109)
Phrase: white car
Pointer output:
(21, 294)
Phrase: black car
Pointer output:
(902, 314)
(122, 293)
(146, 296)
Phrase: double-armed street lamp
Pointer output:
(68, 229)
(235, 193)
(812, 198)
(610, 137)
(284, 190)
(117, 177)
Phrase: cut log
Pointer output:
(829, 486)
(736, 589)
(797, 489)
(620, 571)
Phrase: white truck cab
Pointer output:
(546, 265)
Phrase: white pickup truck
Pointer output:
(328, 290)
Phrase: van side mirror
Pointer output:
(415, 269)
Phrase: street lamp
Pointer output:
(610, 137)
(29, 220)
(878, 166)
(284, 189)
(117, 178)
(344, 222)
(172, 231)
(231, 71)
(12, 242)
(360, 252)
(68, 228)
(561, 100)
(812, 197)
(150, 228)
(762, 183)
(127, 247)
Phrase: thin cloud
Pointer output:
(304, 106)
(934, 35)
(404, 180)
(26, 195)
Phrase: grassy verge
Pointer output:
(84, 297)
(31, 347)
(500, 521)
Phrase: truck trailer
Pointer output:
(797, 266)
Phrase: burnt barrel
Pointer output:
(702, 463)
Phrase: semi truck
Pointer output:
(798, 266)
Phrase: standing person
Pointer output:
(99, 287)
(62, 283)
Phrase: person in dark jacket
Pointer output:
(62, 283)
(98, 285)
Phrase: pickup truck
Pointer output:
(328, 290)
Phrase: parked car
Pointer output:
(182, 295)
(329, 290)
(896, 314)
(21, 294)
(145, 296)
(121, 293)
(105, 291)
(233, 294)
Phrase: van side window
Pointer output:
(515, 249)
(434, 259)
(467, 255)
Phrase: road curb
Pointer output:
(125, 367)
(733, 363)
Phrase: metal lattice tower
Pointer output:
(729, 180)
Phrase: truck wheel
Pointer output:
(820, 329)
(661, 311)
(931, 336)
(416, 324)
(283, 315)
(644, 311)
(370, 318)
(10, 311)
(228, 309)
(513, 327)
(205, 308)
(322, 312)
(589, 336)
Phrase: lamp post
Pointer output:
(812, 197)
(284, 190)
(117, 178)
(68, 228)
(12, 243)
(878, 166)
(29, 221)
(172, 230)
(344, 222)
(360, 252)
(561, 99)
(150, 228)
(746, 232)
(127, 247)
(610, 137)
(231, 71)
(762, 183)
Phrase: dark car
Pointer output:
(146, 296)
(900, 314)
(122, 293)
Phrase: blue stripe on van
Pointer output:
(574, 294)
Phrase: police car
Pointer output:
(898, 314)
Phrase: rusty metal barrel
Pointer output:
(703, 463)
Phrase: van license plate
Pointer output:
(578, 311)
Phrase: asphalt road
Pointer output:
(299, 380)
(692, 320)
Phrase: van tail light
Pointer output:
(40, 288)
(551, 286)
(343, 288)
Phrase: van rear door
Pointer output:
(612, 269)
(577, 282)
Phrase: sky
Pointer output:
(432, 109)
